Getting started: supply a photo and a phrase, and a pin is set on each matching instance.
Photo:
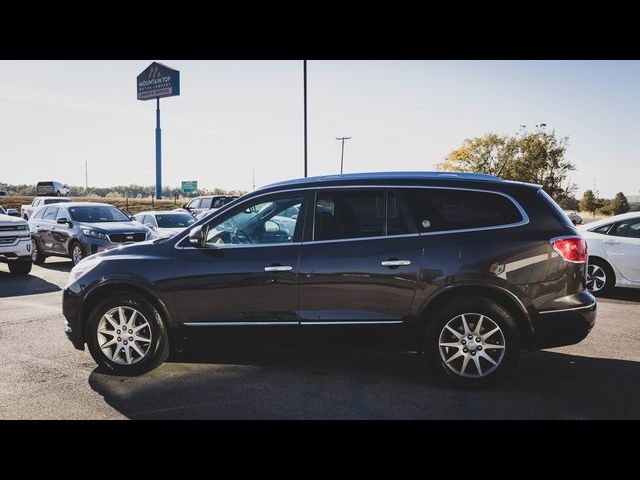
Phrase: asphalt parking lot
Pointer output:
(43, 377)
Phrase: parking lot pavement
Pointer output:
(42, 376)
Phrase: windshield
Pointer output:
(174, 220)
(47, 201)
(98, 214)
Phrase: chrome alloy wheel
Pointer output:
(124, 335)
(76, 254)
(472, 345)
(596, 278)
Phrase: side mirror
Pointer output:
(62, 221)
(271, 227)
(12, 212)
(196, 236)
(186, 206)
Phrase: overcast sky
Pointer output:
(234, 117)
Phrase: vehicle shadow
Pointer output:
(626, 294)
(58, 266)
(267, 382)
(19, 285)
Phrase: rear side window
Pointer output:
(603, 229)
(437, 209)
(555, 208)
(627, 228)
(39, 213)
(349, 214)
(206, 203)
(194, 203)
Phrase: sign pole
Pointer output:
(158, 152)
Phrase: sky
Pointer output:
(234, 118)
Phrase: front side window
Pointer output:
(627, 228)
(62, 213)
(206, 202)
(50, 214)
(256, 223)
(38, 213)
(98, 214)
(437, 209)
(195, 203)
(344, 214)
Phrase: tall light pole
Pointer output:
(342, 139)
(304, 71)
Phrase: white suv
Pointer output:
(15, 244)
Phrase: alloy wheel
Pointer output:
(472, 345)
(124, 335)
(76, 254)
(596, 278)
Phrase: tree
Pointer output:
(569, 203)
(589, 203)
(619, 204)
(536, 157)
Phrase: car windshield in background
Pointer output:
(97, 214)
(47, 201)
(175, 220)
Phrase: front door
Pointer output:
(245, 273)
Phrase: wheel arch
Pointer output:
(100, 293)
(608, 264)
(506, 299)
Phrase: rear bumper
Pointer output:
(556, 328)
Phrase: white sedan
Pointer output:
(614, 252)
(165, 223)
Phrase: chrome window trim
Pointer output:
(353, 322)
(591, 305)
(523, 213)
(233, 324)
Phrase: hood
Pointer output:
(115, 227)
(9, 220)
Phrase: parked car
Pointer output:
(575, 218)
(165, 223)
(27, 210)
(207, 203)
(15, 244)
(51, 188)
(466, 268)
(78, 229)
(3, 193)
(614, 252)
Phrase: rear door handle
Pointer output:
(395, 263)
(278, 268)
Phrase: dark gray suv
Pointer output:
(79, 229)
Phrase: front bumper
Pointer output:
(557, 328)
(72, 311)
(17, 249)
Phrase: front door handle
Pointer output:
(395, 263)
(278, 268)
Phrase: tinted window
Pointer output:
(206, 202)
(98, 214)
(62, 213)
(45, 184)
(50, 213)
(399, 220)
(349, 214)
(447, 209)
(627, 228)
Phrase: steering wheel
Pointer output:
(240, 236)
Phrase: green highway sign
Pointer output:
(190, 186)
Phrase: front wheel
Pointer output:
(77, 254)
(20, 267)
(473, 343)
(126, 335)
(37, 257)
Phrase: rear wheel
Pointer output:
(126, 335)
(21, 266)
(473, 343)
(600, 277)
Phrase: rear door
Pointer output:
(61, 232)
(360, 263)
(622, 246)
(44, 228)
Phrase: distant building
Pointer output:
(634, 201)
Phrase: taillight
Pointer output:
(572, 249)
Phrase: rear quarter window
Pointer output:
(557, 212)
(437, 209)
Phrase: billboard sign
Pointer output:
(158, 81)
(190, 186)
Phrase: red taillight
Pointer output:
(572, 249)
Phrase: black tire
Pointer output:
(20, 267)
(158, 350)
(474, 307)
(609, 277)
(73, 245)
(37, 257)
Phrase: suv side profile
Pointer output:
(56, 189)
(465, 269)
